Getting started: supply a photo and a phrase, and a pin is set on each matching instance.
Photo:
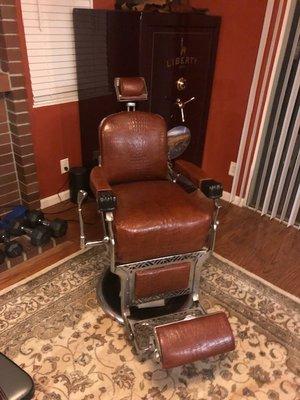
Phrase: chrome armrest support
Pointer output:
(215, 224)
(82, 195)
(109, 217)
(172, 175)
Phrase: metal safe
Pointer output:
(174, 52)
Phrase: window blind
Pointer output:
(275, 189)
(50, 42)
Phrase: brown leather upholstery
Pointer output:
(98, 181)
(190, 171)
(187, 341)
(133, 147)
(132, 87)
(158, 218)
(164, 279)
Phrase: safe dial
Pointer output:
(181, 83)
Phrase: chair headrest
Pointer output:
(131, 89)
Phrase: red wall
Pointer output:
(239, 39)
(106, 4)
(56, 135)
(56, 130)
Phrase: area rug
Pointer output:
(53, 327)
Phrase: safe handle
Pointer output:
(181, 104)
(189, 100)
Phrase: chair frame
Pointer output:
(142, 316)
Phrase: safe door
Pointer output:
(177, 58)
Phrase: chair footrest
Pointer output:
(193, 339)
(182, 337)
(143, 330)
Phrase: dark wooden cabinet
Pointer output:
(161, 47)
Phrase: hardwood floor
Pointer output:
(23, 270)
(266, 248)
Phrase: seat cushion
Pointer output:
(158, 218)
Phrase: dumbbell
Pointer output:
(2, 257)
(12, 248)
(58, 227)
(38, 236)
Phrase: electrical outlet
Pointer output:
(232, 168)
(64, 165)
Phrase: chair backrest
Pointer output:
(133, 147)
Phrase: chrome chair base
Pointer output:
(108, 295)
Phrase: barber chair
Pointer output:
(15, 384)
(158, 234)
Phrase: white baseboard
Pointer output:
(55, 199)
(238, 201)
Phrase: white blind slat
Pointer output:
(32, 16)
(49, 98)
(44, 73)
(48, 31)
(44, 38)
(55, 90)
(50, 66)
(51, 7)
(64, 3)
(50, 46)
(40, 80)
(92, 77)
(44, 52)
(59, 52)
(295, 209)
(69, 83)
(34, 23)
(53, 58)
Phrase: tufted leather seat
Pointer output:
(154, 217)
(163, 220)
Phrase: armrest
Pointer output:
(102, 190)
(195, 174)
(98, 181)
(211, 188)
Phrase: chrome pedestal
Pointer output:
(108, 294)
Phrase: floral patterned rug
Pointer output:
(53, 327)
